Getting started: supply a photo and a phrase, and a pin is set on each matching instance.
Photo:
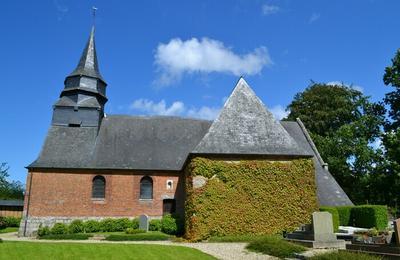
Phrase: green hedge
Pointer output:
(6, 222)
(147, 236)
(345, 218)
(369, 216)
(364, 216)
(169, 224)
(248, 197)
(67, 237)
(335, 216)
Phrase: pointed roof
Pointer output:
(88, 65)
(245, 126)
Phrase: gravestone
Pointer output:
(321, 234)
(144, 222)
(396, 225)
(323, 227)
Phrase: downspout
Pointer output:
(28, 202)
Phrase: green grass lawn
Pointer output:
(8, 230)
(37, 250)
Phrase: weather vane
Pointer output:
(94, 9)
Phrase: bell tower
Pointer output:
(82, 100)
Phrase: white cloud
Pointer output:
(314, 17)
(269, 9)
(160, 108)
(62, 9)
(178, 57)
(279, 112)
(209, 113)
(177, 108)
(338, 83)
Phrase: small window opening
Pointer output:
(170, 185)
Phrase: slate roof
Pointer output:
(88, 64)
(245, 126)
(123, 142)
(12, 203)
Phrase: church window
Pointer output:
(146, 188)
(99, 187)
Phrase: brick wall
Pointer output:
(69, 194)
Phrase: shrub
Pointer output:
(122, 224)
(59, 228)
(155, 225)
(369, 216)
(92, 226)
(12, 221)
(275, 246)
(237, 238)
(335, 216)
(131, 231)
(43, 231)
(135, 223)
(345, 218)
(108, 225)
(171, 224)
(149, 236)
(76, 226)
(3, 223)
(66, 236)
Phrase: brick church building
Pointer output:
(94, 165)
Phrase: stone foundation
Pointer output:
(33, 223)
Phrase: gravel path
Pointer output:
(219, 250)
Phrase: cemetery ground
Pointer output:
(229, 247)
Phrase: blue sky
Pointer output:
(183, 57)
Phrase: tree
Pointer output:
(391, 139)
(344, 125)
(392, 78)
(9, 189)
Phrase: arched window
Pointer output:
(146, 188)
(98, 187)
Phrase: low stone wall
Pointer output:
(29, 226)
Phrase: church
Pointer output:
(94, 166)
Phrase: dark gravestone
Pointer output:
(144, 222)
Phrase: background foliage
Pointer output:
(358, 138)
(9, 189)
(346, 128)
(257, 197)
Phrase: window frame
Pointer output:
(104, 183)
(150, 183)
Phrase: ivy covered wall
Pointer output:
(247, 197)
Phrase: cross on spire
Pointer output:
(94, 9)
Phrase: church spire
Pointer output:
(83, 98)
(88, 65)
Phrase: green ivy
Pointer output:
(248, 197)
